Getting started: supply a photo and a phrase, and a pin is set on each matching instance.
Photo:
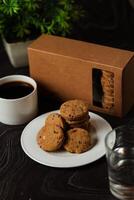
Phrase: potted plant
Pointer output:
(23, 21)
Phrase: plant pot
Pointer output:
(17, 52)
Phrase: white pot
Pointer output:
(17, 52)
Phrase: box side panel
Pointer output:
(128, 86)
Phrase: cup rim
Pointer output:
(106, 137)
(34, 84)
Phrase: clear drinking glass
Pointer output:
(120, 161)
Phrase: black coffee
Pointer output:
(15, 89)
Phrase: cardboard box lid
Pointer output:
(82, 50)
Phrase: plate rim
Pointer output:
(50, 164)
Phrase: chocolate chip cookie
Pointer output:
(74, 110)
(50, 137)
(78, 140)
(55, 119)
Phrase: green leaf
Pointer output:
(22, 18)
(31, 5)
(10, 7)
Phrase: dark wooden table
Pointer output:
(24, 179)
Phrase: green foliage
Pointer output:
(23, 19)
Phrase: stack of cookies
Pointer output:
(75, 113)
(68, 130)
(107, 82)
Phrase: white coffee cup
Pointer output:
(19, 110)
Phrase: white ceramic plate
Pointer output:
(64, 158)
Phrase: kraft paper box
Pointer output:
(72, 69)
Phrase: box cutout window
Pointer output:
(97, 87)
(103, 89)
(107, 83)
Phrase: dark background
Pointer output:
(108, 22)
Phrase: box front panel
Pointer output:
(69, 78)
(66, 77)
